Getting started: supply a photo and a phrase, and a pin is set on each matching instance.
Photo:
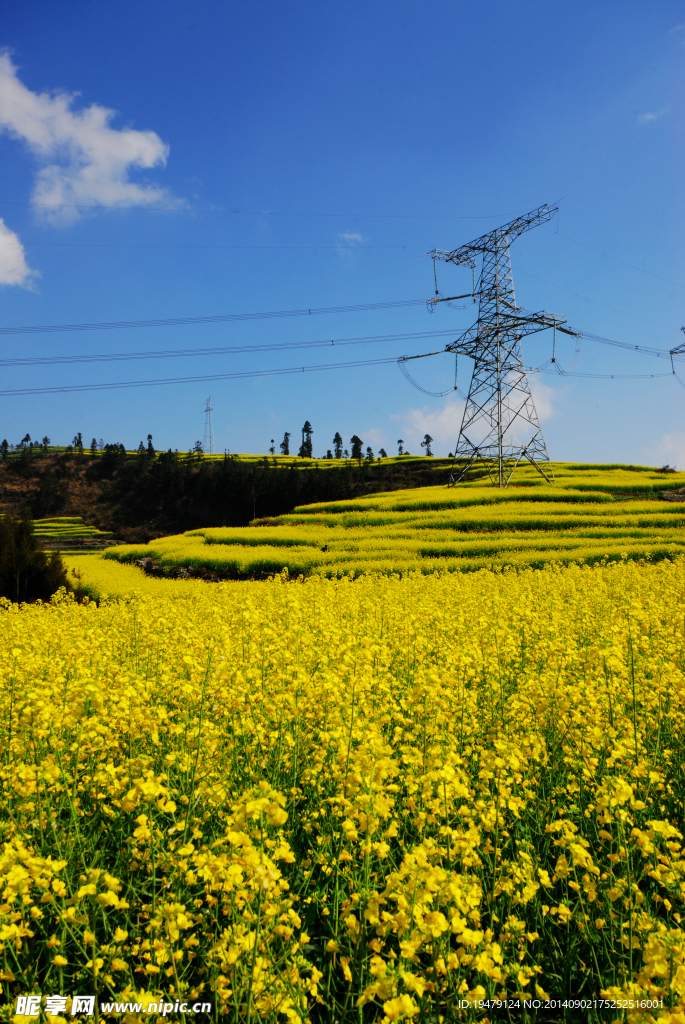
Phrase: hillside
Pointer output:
(590, 513)
(138, 496)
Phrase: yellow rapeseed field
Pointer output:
(588, 515)
(102, 578)
(383, 799)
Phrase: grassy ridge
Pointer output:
(589, 514)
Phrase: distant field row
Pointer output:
(583, 517)
(66, 528)
(267, 460)
(634, 477)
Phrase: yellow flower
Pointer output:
(420, 759)
(399, 1008)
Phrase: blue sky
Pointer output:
(277, 156)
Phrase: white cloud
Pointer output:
(670, 450)
(13, 266)
(543, 396)
(652, 115)
(373, 436)
(442, 424)
(347, 241)
(83, 160)
(351, 237)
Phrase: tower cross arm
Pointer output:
(461, 256)
(524, 322)
(679, 350)
(497, 239)
(483, 333)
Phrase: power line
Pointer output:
(280, 213)
(608, 255)
(225, 350)
(70, 388)
(603, 376)
(284, 346)
(558, 369)
(274, 213)
(660, 353)
(586, 298)
(254, 213)
(152, 245)
(180, 321)
(192, 380)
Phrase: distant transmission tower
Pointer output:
(500, 426)
(209, 429)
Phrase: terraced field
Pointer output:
(69, 532)
(590, 514)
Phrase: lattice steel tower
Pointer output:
(500, 426)
(209, 429)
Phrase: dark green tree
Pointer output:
(198, 451)
(272, 449)
(27, 573)
(338, 445)
(426, 443)
(356, 445)
(46, 444)
(369, 454)
(150, 449)
(77, 443)
(400, 449)
(113, 457)
(285, 444)
(5, 449)
(382, 452)
(306, 449)
(329, 454)
(25, 449)
(94, 446)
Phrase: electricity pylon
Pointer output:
(209, 429)
(499, 400)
